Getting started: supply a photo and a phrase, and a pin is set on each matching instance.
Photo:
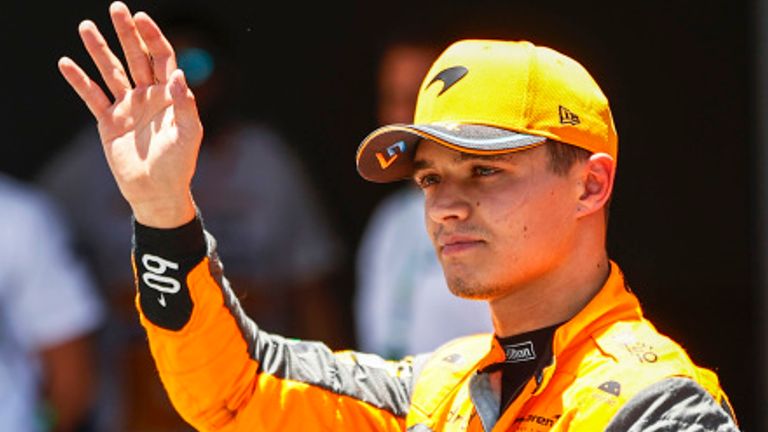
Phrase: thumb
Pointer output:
(183, 101)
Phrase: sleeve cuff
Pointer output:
(183, 241)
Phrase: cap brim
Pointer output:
(386, 154)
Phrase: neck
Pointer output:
(554, 298)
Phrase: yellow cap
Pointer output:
(491, 97)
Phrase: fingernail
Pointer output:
(85, 25)
(179, 85)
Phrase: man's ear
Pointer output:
(597, 176)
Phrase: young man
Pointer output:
(515, 148)
(402, 303)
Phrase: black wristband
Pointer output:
(184, 241)
(164, 258)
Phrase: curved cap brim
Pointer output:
(386, 154)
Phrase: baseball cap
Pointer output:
(490, 97)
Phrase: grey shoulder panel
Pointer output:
(674, 404)
(384, 384)
(369, 378)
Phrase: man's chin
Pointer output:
(471, 290)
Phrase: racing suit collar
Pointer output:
(613, 302)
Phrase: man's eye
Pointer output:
(483, 171)
(427, 180)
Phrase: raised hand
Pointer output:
(151, 132)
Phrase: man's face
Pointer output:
(498, 223)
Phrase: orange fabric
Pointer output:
(214, 383)
(603, 356)
(285, 405)
(608, 342)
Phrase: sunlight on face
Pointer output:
(498, 223)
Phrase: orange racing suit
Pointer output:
(610, 369)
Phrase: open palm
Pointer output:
(151, 132)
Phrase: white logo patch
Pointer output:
(155, 279)
(519, 352)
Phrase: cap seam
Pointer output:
(534, 58)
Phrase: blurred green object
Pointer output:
(197, 65)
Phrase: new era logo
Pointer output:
(519, 352)
(568, 117)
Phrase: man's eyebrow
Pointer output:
(463, 157)
(420, 164)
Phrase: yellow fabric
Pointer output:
(216, 385)
(520, 87)
(510, 85)
(608, 344)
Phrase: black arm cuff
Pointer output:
(186, 241)
(164, 258)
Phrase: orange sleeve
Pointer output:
(223, 373)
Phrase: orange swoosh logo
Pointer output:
(383, 162)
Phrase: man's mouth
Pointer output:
(457, 244)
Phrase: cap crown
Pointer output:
(520, 87)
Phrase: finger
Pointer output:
(135, 51)
(184, 102)
(164, 59)
(107, 63)
(90, 92)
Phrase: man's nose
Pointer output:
(447, 203)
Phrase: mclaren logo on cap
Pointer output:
(449, 77)
(392, 153)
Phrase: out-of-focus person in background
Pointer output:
(49, 313)
(280, 249)
(402, 303)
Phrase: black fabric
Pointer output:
(527, 354)
(163, 258)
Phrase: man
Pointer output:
(402, 304)
(517, 218)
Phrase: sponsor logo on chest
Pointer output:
(520, 352)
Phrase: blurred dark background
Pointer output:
(679, 75)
